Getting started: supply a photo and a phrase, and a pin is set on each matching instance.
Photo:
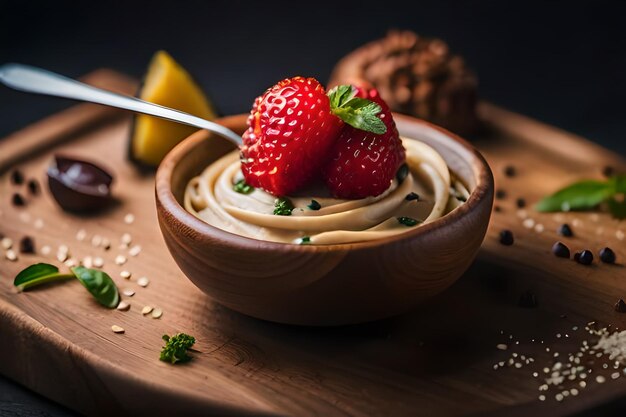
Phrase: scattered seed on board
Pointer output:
(45, 250)
(7, 243)
(98, 262)
(143, 282)
(87, 262)
(502, 346)
(125, 274)
(126, 239)
(539, 228)
(128, 292)
(61, 256)
(71, 263)
(11, 255)
(38, 224)
(120, 260)
(146, 310)
(117, 329)
(81, 235)
(600, 379)
(129, 218)
(135, 250)
(157, 313)
(528, 223)
(96, 240)
(123, 306)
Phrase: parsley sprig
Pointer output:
(176, 347)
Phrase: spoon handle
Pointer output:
(36, 80)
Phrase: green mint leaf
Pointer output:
(283, 207)
(617, 208)
(243, 187)
(583, 195)
(99, 284)
(314, 205)
(407, 221)
(358, 112)
(175, 349)
(305, 240)
(38, 274)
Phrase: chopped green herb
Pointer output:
(175, 349)
(283, 206)
(314, 205)
(243, 187)
(588, 194)
(98, 283)
(402, 173)
(407, 221)
(305, 240)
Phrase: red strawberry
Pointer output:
(290, 131)
(362, 163)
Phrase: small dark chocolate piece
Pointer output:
(521, 203)
(608, 171)
(402, 173)
(528, 300)
(27, 245)
(79, 185)
(506, 237)
(33, 186)
(497, 209)
(314, 205)
(565, 230)
(620, 306)
(16, 177)
(500, 194)
(560, 250)
(510, 171)
(412, 197)
(18, 200)
(607, 256)
(585, 257)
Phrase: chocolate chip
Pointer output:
(506, 237)
(528, 300)
(412, 197)
(18, 200)
(521, 203)
(560, 250)
(500, 194)
(510, 171)
(27, 245)
(620, 306)
(607, 256)
(608, 171)
(585, 257)
(17, 178)
(565, 230)
(33, 186)
(497, 209)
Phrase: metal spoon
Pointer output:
(36, 80)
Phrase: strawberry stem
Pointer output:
(358, 112)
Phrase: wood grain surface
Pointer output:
(435, 360)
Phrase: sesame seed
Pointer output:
(600, 379)
(539, 228)
(11, 255)
(70, 263)
(81, 235)
(615, 375)
(126, 239)
(117, 329)
(87, 262)
(535, 374)
(123, 306)
(128, 292)
(6, 243)
(38, 224)
(582, 384)
(157, 313)
(45, 250)
(125, 274)
(146, 310)
(573, 392)
(542, 397)
(135, 250)
(528, 223)
(502, 346)
(61, 256)
(558, 397)
(98, 262)
(143, 282)
(120, 259)
(96, 240)
(129, 218)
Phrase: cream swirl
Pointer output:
(211, 197)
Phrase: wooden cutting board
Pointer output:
(437, 360)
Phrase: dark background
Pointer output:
(560, 62)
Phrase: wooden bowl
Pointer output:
(324, 285)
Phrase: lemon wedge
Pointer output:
(166, 83)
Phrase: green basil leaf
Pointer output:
(583, 195)
(99, 284)
(33, 272)
(617, 208)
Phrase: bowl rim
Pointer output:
(165, 197)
